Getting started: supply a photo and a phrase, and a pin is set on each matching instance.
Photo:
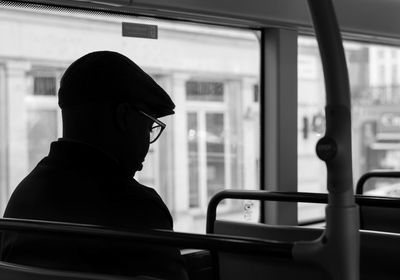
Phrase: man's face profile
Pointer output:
(135, 131)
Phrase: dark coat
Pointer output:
(78, 183)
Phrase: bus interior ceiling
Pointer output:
(250, 93)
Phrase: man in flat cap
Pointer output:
(109, 109)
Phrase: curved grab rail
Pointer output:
(335, 147)
(338, 249)
(273, 249)
(375, 174)
(258, 195)
(301, 197)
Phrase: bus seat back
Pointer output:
(235, 266)
(379, 254)
(380, 218)
(22, 272)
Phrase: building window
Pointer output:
(215, 149)
(207, 149)
(256, 93)
(208, 155)
(193, 153)
(395, 74)
(43, 117)
(45, 86)
(204, 91)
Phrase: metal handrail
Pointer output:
(258, 195)
(375, 174)
(301, 197)
(240, 245)
(338, 249)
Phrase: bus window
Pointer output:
(375, 98)
(212, 74)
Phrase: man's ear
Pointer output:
(122, 114)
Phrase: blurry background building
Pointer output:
(212, 74)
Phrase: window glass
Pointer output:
(215, 149)
(211, 142)
(375, 101)
(42, 128)
(193, 154)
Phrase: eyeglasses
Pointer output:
(156, 129)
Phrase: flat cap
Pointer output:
(110, 77)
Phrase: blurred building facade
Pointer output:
(212, 74)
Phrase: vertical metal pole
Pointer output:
(338, 248)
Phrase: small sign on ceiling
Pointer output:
(139, 30)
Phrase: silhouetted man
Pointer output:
(109, 108)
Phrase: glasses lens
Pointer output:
(154, 132)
